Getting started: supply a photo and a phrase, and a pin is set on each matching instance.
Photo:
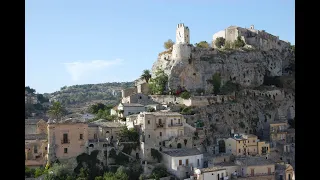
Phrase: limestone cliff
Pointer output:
(191, 66)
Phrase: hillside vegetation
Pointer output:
(109, 93)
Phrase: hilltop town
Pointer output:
(224, 110)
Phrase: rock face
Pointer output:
(192, 66)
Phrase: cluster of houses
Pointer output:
(242, 156)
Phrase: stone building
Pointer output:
(181, 162)
(213, 173)
(35, 142)
(258, 39)
(182, 34)
(66, 138)
(245, 145)
(257, 168)
(101, 133)
(158, 127)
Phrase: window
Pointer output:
(94, 136)
(198, 162)
(160, 121)
(65, 138)
(179, 121)
(254, 141)
(180, 162)
(248, 141)
(160, 143)
(81, 136)
(239, 150)
(149, 135)
(239, 142)
(160, 133)
(35, 149)
(187, 162)
(45, 148)
(65, 150)
(148, 121)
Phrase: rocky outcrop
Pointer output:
(192, 67)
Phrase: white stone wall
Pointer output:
(214, 175)
(181, 52)
(182, 34)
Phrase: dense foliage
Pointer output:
(229, 87)
(128, 135)
(146, 75)
(77, 94)
(158, 84)
(202, 44)
(57, 111)
(220, 41)
(168, 44)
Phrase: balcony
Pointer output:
(175, 125)
(65, 141)
(160, 125)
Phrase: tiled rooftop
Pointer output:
(254, 161)
(164, 113)
(182, 152)
(68, 121)
(132, 105)
(105, 123)
(35, 136)
(212, 169)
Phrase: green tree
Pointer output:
(128, 135)
(158, 84)
(30, 90)
(42, 99)
(202, 44)
(159, 172)
(168, 44)
(219, 42)
(38, 172)
(216, 82)
(239, 42)
(56, 111)
(146, 75)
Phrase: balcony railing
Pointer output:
(65, 141)
(160, 125)
(176, 124)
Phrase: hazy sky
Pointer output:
(72, 42)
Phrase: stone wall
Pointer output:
(167, 99)
(138, 98)
(143, 88)
(129, 91)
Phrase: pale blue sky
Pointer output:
(72, 42)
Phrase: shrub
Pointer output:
(202, 44)
(229, 87)
(220, 41)
(242, 125)
(185, 95)
(239, 42)
(168, 44)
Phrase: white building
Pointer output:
(181, 162)
(130, 108)
(213, 173)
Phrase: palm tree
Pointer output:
(57, 111)
(146, 75)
